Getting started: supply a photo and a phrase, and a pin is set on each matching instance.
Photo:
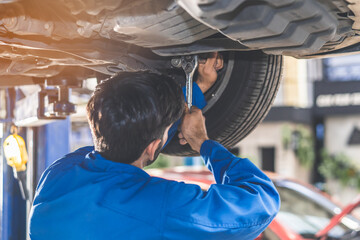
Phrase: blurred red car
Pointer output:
(306, 213)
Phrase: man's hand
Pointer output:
(193, 130)
(208, 71)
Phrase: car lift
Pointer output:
(45, 144)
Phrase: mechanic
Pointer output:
(101, 192)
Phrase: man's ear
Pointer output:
(151, 148)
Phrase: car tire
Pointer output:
(239, 100)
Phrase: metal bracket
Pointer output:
(54, 103)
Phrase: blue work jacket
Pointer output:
(85, 196)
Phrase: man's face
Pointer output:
(159, 148)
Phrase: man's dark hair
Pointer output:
(130, 110)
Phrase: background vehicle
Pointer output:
(58, 44)
(304, 210)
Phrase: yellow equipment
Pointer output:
(17, 157)
(15, 152)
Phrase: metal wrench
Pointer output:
(188, 64)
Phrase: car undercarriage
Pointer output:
(58, 44)
(43, 39)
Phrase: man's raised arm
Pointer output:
(240, 205)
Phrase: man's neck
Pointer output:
(139, 163)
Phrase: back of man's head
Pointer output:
(129, 111)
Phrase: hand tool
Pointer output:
(189, 64)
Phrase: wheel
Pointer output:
(239, 100)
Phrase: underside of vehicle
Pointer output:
(61, 43)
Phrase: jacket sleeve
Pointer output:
(240, 205)
(198, 101)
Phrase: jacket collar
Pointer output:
(98, 162)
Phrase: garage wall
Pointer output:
(271, 135)
(337, 134)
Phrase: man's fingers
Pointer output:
(182, 141)
(215, 61)
(202, 61)
(214, 54)
(201, 67)
(219, 62)
(186, 110)
(194, 109)
(211, 61)
(208, 61)
(193, 129)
